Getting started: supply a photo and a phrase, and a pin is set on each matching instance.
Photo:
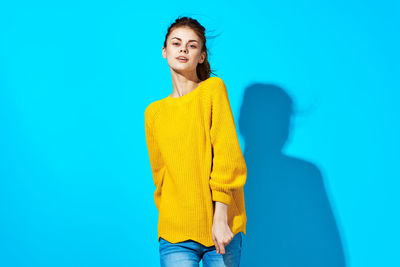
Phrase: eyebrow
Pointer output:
(181, 39)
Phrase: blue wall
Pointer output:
(314, 87)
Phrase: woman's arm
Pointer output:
(156, 161)
(229, 171)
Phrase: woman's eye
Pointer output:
(193, 46)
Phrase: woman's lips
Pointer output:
(181, 60)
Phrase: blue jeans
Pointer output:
(188, 253)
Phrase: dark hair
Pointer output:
(203, 70)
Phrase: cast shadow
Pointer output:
(290, 222)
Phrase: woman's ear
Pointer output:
(202, 57)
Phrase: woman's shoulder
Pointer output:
(215, 84)
(152, 109)
(214, 80)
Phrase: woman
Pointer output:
(196, 161)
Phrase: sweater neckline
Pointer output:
(186, 97)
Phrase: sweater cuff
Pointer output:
(222, 197)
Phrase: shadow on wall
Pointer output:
(290, 222)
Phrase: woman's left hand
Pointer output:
(221, 235)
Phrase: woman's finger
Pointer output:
(222, 247)
(215, 244)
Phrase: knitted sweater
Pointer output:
(195, 159)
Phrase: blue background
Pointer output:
(314, 87)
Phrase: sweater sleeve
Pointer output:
(229, 171)
(156, 162)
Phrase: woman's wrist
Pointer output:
(220, 212)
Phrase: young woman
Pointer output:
(197, 164)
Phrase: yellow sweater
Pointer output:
(195, 159)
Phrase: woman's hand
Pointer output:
(221, 232)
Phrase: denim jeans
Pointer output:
(188, 253)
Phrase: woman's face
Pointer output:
(183, 41)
